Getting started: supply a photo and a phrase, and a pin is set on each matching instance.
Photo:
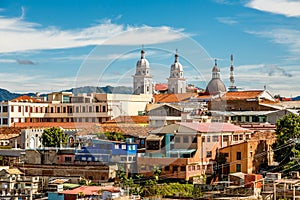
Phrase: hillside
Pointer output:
(6, 95)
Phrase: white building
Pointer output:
(142, 80)
(176, 81)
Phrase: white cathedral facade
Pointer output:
(142, 80)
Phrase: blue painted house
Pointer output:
(110, 152)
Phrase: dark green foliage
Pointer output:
(114, 136)
(287, 145)
(53, 137)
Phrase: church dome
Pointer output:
(143, 62)
(176, 65)
(215, 86)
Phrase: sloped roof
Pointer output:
(155, 106)
(9, 132)
(238, 95)
(126, 129)
(91, 190)
(214, 127)
(130, 119)
(161, 86)
(172, 98)
(66, 125)
(13, 171)
(172, 128)
(26, 99)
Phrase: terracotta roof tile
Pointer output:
(126, 129)
(26, 99)
(9, 132)
(238, 95)
(172, 98)
(66, 125)
(161, 86)
(130, 120)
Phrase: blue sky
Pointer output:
(53, 45)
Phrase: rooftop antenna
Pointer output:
(231, 72)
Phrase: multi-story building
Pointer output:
(110, 152)
(187, 150)
(250, 156)
(14, 183)
(65, 107)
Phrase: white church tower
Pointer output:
(176, 81)
(142, 80)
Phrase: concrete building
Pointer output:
(187, 150)
(14, 184)
(250, 156)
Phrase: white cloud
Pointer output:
(21, 35)
(7, 61)
(288, 37)
(227, 20)
(288, 8)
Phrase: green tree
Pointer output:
(115, 136)
(287, 137)
(53, 137)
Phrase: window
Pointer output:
(167, 168)
(90, 109)
(19, 108)
(83, 109)
(77, 109)
(203, 139)
(238, 155)
(182, 168)
(226, 155)
(225, 138)
(207, 138)
(103, 109)
(208, 154)
(4, 121)
(129, 147)
(123, 146)
(177, 139)
(238, 167)
(241, 137)
(133, 147)
(235, 137)
(247, 137)
(5, 108)
(12, 109)
(68, 159)
(215, 139)
(185, 139)
(116, 146)
(251, 154)
(58, 110)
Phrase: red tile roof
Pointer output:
(9, 132)
(66, 125)
(161, 86)
(172, 98)
(126, 129)
(214, 127)
(238, 95)
(26, 99)
(91, 190)
(130, 120)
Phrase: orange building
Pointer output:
(248, 157)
